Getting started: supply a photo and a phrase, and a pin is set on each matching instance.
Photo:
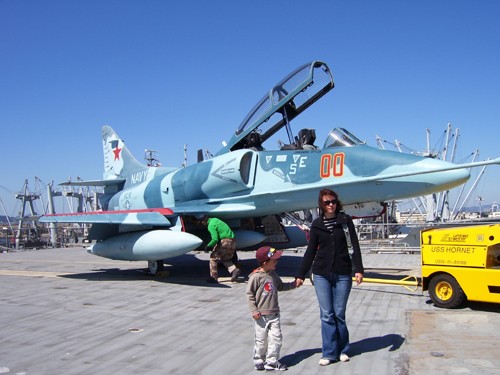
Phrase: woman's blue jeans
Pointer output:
(333, 292)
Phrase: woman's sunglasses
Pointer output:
(327, 203)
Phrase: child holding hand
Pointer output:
(262, 294)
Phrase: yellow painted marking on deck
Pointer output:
(34, 273)
(104, 261)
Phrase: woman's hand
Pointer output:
(359, 278)
(298, 282)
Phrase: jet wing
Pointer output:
(218, 206)
(155, 217)
(94, 182)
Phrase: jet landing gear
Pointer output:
(157, 268)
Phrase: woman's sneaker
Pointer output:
(344, 358)
(276, 366)
(325, 361)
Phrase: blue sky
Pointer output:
(168, 73)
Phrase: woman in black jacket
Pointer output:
(332, 268)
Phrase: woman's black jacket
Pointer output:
(329, 251)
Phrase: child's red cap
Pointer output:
(265, 253)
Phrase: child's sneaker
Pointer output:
(259, 366)
(276, 366)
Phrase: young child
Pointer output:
(262, 293)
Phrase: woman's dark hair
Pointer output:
(325, 192)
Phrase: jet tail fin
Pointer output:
(118, 160)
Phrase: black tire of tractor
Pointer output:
(445, 291)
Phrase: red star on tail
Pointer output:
(116, 151)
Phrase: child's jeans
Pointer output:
(268, 339)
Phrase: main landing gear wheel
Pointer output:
(445, 291)
(156, 267)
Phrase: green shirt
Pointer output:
(218, 230)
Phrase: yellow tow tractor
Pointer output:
(461, 263)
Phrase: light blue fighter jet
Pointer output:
(149, 212)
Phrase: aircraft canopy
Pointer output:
(280, 105)
(340, 137)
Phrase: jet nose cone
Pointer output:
(444, 179)
(455, 178)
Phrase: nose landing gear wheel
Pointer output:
(155, 267)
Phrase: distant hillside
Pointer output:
(483, 208)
